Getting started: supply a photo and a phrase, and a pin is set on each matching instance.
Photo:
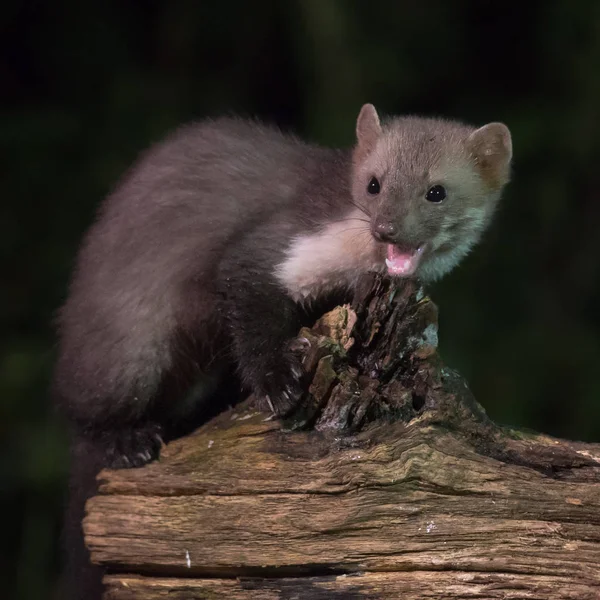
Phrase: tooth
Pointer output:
(388, 263)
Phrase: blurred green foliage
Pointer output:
(85, 87)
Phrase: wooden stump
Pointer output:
(390, 482)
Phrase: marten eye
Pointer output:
(436, 193)
(374, 188)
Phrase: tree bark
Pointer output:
(389, 482)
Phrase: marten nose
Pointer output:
(385, 231)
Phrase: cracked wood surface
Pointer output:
(397, 585)
(390, 482)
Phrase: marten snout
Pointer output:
(389, 233)
(384, 231)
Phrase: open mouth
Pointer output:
(403, 262)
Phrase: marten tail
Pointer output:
(80, 579)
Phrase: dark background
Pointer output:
(86, 86)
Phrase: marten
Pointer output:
(207, 256)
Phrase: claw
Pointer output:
(270, 403)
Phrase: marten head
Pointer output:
(429, 186)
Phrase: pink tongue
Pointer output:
(402, 263)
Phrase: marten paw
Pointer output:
(134, 446)
(282, 387)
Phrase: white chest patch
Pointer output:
(332, 258)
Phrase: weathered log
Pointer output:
(390, 482)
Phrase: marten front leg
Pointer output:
(262, 326)
(263, 322)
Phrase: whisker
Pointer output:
(361, 230)
(361, 237)
(361, 208)
(342, 220)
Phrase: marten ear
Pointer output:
(491, 148)
(368, 127)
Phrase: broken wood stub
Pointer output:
(391, 482)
